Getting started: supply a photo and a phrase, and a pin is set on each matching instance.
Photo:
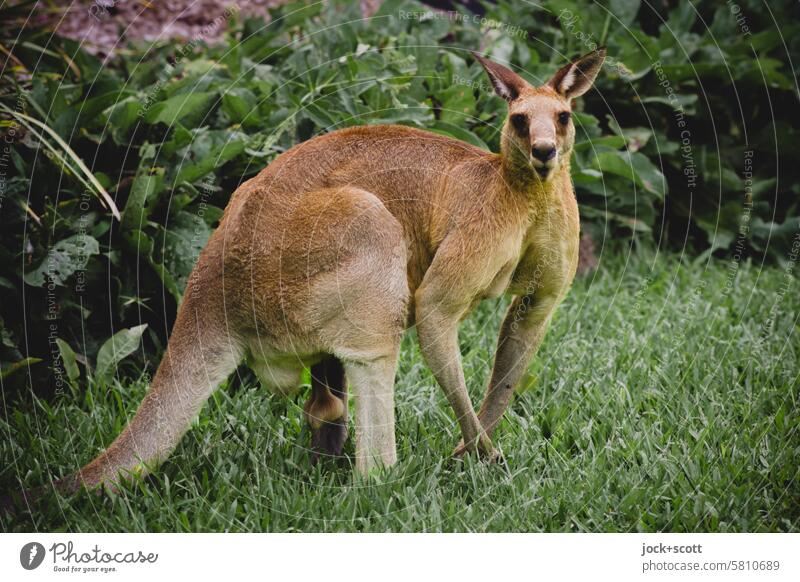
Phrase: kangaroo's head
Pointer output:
(538, 133)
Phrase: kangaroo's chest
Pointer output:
(502, 279)
(548, 255)
(540, 258)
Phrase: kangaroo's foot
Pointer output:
(483, 447)
(328, 439)
(326, 410)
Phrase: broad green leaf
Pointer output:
(118, 347)
(188, 108)
(627, 221)
(501, 50)
(240, 104)
(607, 141)
(90, 109)
(146, 186)
(679, 101)
(636, 137)
(183, 239)
(624, 10)
(636, 167)
(458, 104)
(142, 245)
(17, 366)
(214, 159)
(122, 117)
(68, 359)
(64, 258)
(649, 175)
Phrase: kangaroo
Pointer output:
(325, 257)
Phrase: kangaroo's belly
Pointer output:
(279, 372)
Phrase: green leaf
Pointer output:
(636, 167)
(64, 258)
(240, 104)
(635, 137)
(17, 366)
(147, 184)
(142, 245)
(224, 153)
(607, 141)
(118, 347)
(458, 104)
(648, 175)
(69, 359)
(627, 221)
(624, 10)
(90, 109)
(188, 108)
(184, 238)
(684, 101)
(122, 117)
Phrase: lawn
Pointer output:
(662, 399)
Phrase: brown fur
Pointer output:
(326, 409)
(344, 241)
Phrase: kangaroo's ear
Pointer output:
(576, 78)
(506, 82)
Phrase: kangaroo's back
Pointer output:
(418, 175)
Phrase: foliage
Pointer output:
(643, 413)
(164, 134)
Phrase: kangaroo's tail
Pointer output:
(200, 355)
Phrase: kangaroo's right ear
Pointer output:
(506, 82)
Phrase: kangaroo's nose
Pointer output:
(544, 153)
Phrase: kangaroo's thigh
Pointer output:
(360, 311)
(358, 305)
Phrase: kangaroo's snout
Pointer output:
(544, 153)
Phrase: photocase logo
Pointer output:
(31, 555)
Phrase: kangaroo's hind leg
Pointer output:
(373, 388)
(354, 304)
(326, 409)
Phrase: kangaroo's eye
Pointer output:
(563, 117)
(520, 123)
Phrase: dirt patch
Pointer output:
(105, 26)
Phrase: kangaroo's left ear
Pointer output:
(507, 84)
(576, 78)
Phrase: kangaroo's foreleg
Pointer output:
(521, 334)
(326, 409)
(438, 339)
(441, 301)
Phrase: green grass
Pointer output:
(659, 401)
